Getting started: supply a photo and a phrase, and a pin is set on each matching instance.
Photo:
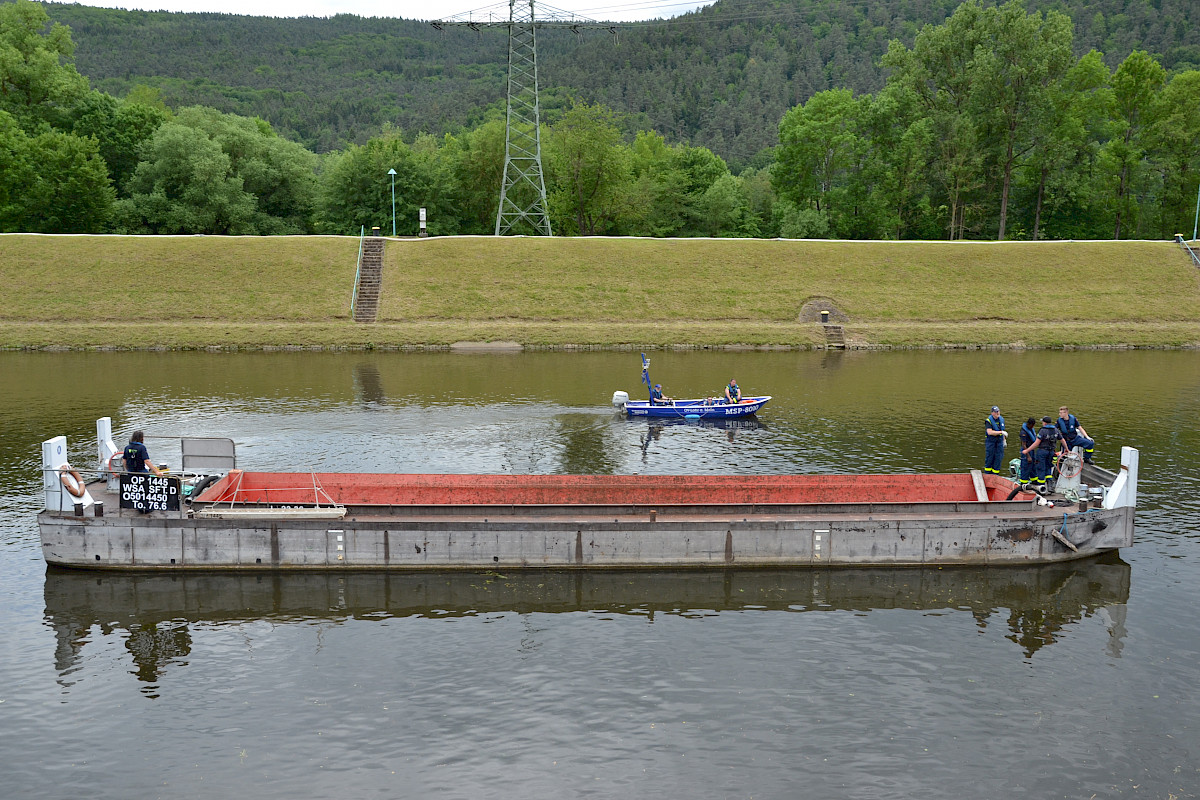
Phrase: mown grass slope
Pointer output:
(177, 278)
(83, 291)
(641, 280)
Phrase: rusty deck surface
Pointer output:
(371, 489)
(567, 498)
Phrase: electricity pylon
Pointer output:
(523, 188)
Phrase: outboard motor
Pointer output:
(620, 399)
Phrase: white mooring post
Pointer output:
(105, 450)
(1123, 492)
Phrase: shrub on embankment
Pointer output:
(252, 291)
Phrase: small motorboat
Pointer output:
(703, 408)
(707, 408)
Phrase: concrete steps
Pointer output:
(370, 280)
(835, 337)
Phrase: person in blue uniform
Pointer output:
(1028, 436)
(1043, 449)
(137, 458)
(1073, 434)
(996, 436)
(733, 393)
(657, 398)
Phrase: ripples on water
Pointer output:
(1067, 681)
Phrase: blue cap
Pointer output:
(658, 386)
(995, 408)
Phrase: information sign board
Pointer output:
(145, 491)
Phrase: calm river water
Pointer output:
(1073, 681)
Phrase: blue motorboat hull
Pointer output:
(696, 409)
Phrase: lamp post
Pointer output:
(392, 172)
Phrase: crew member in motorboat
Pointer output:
(137, 458)
(996, 436)
(1044, 447)
(1028, 436)
(657, 398)
(733, 393)
(1073, 434)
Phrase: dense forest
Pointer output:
(989, 124)
(721, 77)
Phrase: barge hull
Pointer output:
(568, 541)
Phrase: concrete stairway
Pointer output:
(835, 337)
(370, 278)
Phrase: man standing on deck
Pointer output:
(1043, 448)
(137, 458)
(1073, 434)
(993, 455)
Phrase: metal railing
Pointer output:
(1190, 250)
(358, 270)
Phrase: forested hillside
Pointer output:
(989, 125)
(720, 78)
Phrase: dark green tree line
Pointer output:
(987, 126)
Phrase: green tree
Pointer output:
(1065, 139)
(1175, 141)
(1135, 87)
(897, 163)
(119, 128)
(185, 184)
(940, 72)
(590, 171)
(1025, 55)
(476, 165)
(438, 160)
(693, 171)
(38, 80)
(656, 197)
(356, 187)
(51, 183)
(817, 148)
(726, 209)
(278, 174)
(763, 199)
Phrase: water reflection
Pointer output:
(156, 611)
(368, 384)
(654, 428)
(586, 446)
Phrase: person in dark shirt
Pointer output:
(1044, 447)
(137, 458)
(657, 398)
(1028, 437)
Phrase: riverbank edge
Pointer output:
(564, 336)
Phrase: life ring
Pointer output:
(1069, 465)
(113, 471)
(75, 485)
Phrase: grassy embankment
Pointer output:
(190, 292)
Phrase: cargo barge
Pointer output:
(243, 520)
